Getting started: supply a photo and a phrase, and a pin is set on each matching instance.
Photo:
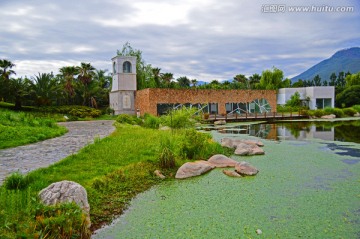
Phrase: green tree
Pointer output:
(183, 82)
(349, 97)
(271, 79)
(352, 80)
(156, 74)
(317, 80)
(5, 72)
(299, 83)
(194, 83)
(85, 76)
(241, 79)
(68, 73)
(167, 77)
(333, 78)
(44, 89)
(294, 100)
(19, 88)
(253, 80)
(100, 88)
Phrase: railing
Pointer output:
(265, 115)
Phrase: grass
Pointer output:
(19, 128)
(112, 170)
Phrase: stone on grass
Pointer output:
(220, 122)
(332, 116)
(231, 173)
(159, 174)
(232, 143)
(191, 169)
(248, 149)
(66, 192)
(221, 161)
(244, 168)
(164, 128)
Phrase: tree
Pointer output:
(333, 78)
(294, 100)
(183, 82)
(5, 72)
(43, 89)
(349, 97)
(19, 88)
(341, 80)
(352, 80)
(68, 73)
(271, 79)
(299, 83)
(102, 86)
(317, 80)
(253, 80)
(241, 79)
(156, 74)
(194, 83)
(86, 73)
(167, 77)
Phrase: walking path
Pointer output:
(38, 155)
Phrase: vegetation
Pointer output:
(113, 170)
(19, 128)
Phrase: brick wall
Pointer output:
(147, 99)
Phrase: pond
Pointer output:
(306, 188)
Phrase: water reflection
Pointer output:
(347, 131)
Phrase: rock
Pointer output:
(231, 173)
(220, 122)
(66, 192)
(244, 168)
(258, 231)
(221, 161)
(165, 128)
(248, 149)
(159, 174)
(357, 114)
(332, 116)
(232, 143)
(191, 169)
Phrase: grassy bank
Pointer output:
(112, 170)
(19, 128)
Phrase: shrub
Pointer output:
(167, 158)
(16, 181)
(128, 119)
(338, 112)
(318, 113)
(73, 110)
(151, 121)
(349, 111)
(181, 118)
(357, 108)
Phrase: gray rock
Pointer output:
(232, 143)
(159, 174)
(191, 169)
(244, 168)
(231, 173)
(66, 192)
(248, 149)
(221, 161)
(332, 116)
(165, 128)
(220, 122)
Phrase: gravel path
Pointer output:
(38, 155)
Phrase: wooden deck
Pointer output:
(272, 116)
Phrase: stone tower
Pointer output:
(122, 95)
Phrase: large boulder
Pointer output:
(232, 143)
(191, 169)
(244, 168)
(248, 149)
(221, 161)
(66, 192)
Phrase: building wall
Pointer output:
(147, 99)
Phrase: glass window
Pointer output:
(127, 67)
(114, 67)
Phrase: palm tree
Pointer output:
(86, 73)
(183, 82)
(156, 73)
(254, 79)
(194, 83)
(44, 88)
(68, 73)
(99, 90)
(19, 88)
(5, 72)
(167, 77)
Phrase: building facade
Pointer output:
(315, 97)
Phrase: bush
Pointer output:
(151, 121)
(16, 181)
(181, 118)
(128, 119)
(73, 110)
(349, 111)
(318, 113)
(335, 111)
(357, 108)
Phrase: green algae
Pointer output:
(303, 190)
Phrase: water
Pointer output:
(307, 187)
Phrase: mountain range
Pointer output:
(344, 60)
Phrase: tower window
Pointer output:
(114, 67)
(127, 67)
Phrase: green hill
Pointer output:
(344, 60)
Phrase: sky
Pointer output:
(200, 39)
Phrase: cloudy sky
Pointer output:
(201, 39)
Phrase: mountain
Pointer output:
(344, 60)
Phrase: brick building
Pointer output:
(126, 99)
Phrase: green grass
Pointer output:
(113, 170)
(19, 128)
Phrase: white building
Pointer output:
(316, 97)
(122, 95)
